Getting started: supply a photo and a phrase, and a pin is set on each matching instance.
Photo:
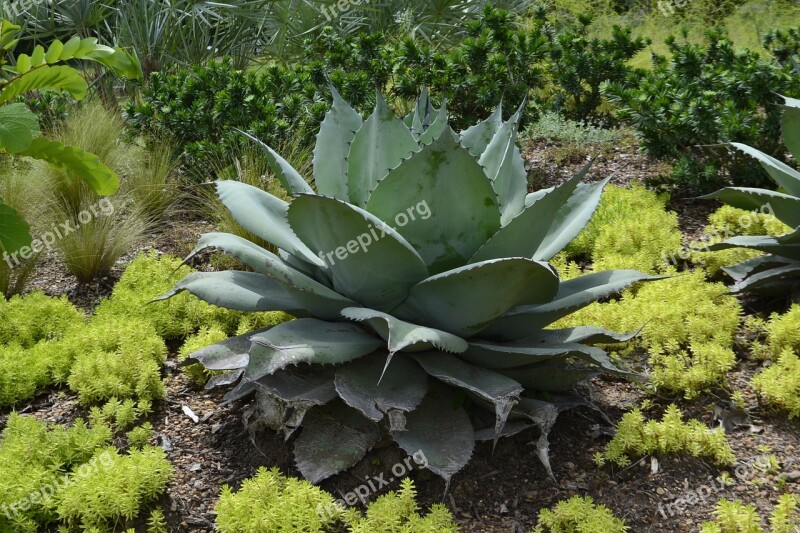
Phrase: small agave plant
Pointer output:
(779, 269)
(419, 278)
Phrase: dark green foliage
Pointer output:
(197, 110)
(497, 60)
(580, 67)
(706, 95)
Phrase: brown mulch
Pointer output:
(497, 492)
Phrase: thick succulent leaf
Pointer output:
(421, 117)
(477, 138)
(405, 336)
(84, 165)
(224, 380)
(581, 334)
(423, 186)
(264, 215)
(537, 195)
(768, 279)
(291, 180)
(333, 144)
(512, 427)
(785, 207)
(230, 354)
(240, 291)
(307, 340)
(492, 387)
(790, 127)
(441, 431)
(570, 220)
(286, 396)
(334, 438)
(790, 238)
(770, 245)
(367, 260)
(545, 227)
(312, 295)
(544, 415)
(302, 387)
(14, 230)
(521, 353)
(46, 77)
(505, 167)
(466, 300)
(757, 264)
(551, 376)
(435, 129)
(381, 143)
(781, 173)
(363, 386)
(525, 320)
(18, 126)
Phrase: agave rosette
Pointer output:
(453, 291)
(779, 268)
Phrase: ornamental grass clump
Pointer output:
(418, 271)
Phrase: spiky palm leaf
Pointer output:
(419, 269)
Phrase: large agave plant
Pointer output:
(780, 268)
(419, 278)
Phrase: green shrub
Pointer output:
(36, 317)
(637, 438)
(22, 373)
(779, 383)
(736, 517)
(579, 514)
(784, 331)
(786, 515)
(705, 95)
(140, 436)
(733, 517)
(118, 491)
(196, 110)
(34, 458)
(31, 358)
(630, 229)
(117, 357)
(689, 328)
(120, 415)
(499, 59)
(271, 502)
(398, 511)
